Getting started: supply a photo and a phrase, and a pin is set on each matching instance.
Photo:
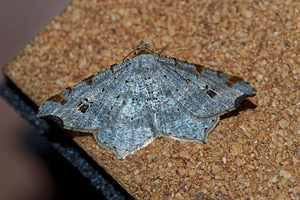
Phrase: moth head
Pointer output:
(143, 48)
(142, 44)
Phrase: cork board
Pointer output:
(251, 154)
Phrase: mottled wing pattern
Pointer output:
(149, 111)
(175, 122)
(91, 104)
(205, 93)
(133, 127)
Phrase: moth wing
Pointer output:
(204, 92)
(133, 128)
(175, 122)
(92, 103)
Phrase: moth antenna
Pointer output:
(162, 49)
(129, 54)
(141, 48)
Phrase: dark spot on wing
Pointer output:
(232, 80)
(126, 81)
(56, 119)
(211, 93)
(103, 89)
(69, 90)
(83, 108)
(175, 61)
(188, 80)
(58, 99)
(199, 68)
(89, 80)
(112, 68)
(241, 98)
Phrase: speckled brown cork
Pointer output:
(253, 154)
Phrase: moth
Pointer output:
(133, 102)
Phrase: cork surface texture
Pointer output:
(252, 154)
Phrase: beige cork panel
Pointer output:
(251, 154)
